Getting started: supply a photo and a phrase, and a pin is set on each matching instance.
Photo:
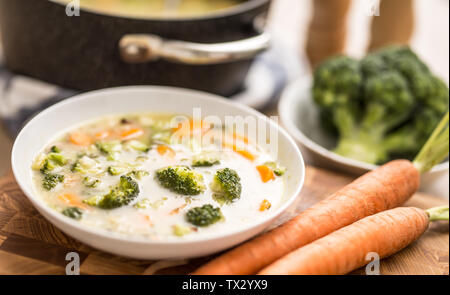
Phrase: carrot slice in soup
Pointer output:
(265, 205)
(243, 138)
(80, 139)
(131, 133)
(72, 200)
(148, 220)
(102, 134)
(165, 150)
(266, 173)
(246, 154)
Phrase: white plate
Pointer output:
(300, 116)
(42, 128)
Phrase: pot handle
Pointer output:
(140, 48)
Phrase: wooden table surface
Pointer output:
(31, 245)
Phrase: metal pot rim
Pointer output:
(237, 9)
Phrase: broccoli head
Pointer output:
(337, 82)
(205, 160)
(73, 212)
(388, 101)
(336, 89)
(204, 215)
(124, 193)
(181, 179)
(50, 181)
(109, 148)
(226, 186)
(409, 139)
(373, 64)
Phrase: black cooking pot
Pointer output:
(95, 50)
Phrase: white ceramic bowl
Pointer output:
(300, 116)
(58, 118)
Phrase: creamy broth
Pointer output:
(93, 158)
(157, 8)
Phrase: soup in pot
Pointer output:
(157, 8)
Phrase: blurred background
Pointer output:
(299, 38)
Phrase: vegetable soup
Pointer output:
(145, 175)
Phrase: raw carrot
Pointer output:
(81, 139)
(346, 249)
(266, 173)
(131, 133)
(165, 150)
(384, 188)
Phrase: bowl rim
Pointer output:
(298, 88)
(233, 10)
(40, 205)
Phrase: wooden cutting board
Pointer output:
(31, 245)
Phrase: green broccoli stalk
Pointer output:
(109, 148)
(124, 193)
(226, 186)
(204, 215)
(181, 179)
(435, 149)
